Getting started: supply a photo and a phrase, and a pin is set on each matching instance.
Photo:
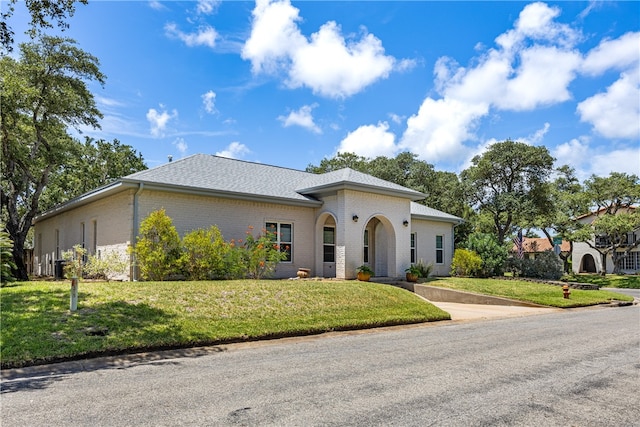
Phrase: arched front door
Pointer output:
(379, 246)
(588, 264)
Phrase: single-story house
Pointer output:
(534, 246)
(586, 259)
(332, 222)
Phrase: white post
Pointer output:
(73, 303)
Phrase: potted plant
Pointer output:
(364, 273)
(413, 273)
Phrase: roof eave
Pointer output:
(455, 220)
(333, 187)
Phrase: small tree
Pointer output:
(158, 247)
(74, 262)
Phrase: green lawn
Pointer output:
(37, 326)
(538, 293)
(610, 280)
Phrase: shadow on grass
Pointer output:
(38, 328)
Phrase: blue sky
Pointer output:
(290, 83)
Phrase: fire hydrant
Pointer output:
(565, 291)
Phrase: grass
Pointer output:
(112, 318)
(610, 280)
(538, 293)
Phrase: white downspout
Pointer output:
(134, 232)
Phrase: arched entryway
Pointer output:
(379, 246)
(326, 245)
(588, 264)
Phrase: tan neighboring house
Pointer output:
(588, 260)
(333, 222)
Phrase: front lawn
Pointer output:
(538, 293)
(610, 280)
(119, 317)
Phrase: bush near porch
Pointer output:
(124, 317)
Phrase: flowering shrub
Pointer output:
(261, 254)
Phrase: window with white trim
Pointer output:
(439, 249)
(366, 247)
(329, 244)
(413, 247)
(283, 237)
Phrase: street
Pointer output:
(578, 367)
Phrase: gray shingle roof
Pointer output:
(219, 174)
(349, 178)
(236, 177)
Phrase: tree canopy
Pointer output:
(44, 94)
(42, 13)
(508, 183)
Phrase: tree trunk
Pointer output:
(20, 272)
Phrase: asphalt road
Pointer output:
(577, 367)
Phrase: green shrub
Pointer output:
(108, 265)
(424, 270)
(546, 265)
(203, 254)
(465, 263)
(492, 253)
(158, 247)
(6, 258)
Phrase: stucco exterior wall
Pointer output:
(390, 211)
(233, 218)
(426, 232)
(107, 226)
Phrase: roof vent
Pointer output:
(170, 157)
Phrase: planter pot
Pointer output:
(412, 277)
(364, 277)
(303, 273)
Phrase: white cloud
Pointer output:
(207, 7)
(615, 113)
(536, 22)
(159, 119)
(302, 118)
(618, 54)
(531, 65)
(370, 141)
(156, 4)
(436, 133)
(205, 36)
(599, 160)
(208, 100)
(180, 145)
(327, 63)
(235, 150)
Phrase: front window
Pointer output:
(439, 249)
(413, 248)
(329, 244)
(366, 246)
(283, 237)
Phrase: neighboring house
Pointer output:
(588, 260)
(532, 247)
(332, 222)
